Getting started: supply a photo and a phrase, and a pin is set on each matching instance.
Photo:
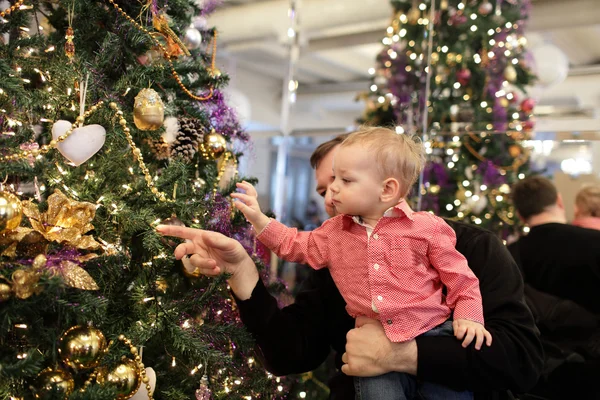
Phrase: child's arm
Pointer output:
(248, 205)
(302, 247)
(463, 295)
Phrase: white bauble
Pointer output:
(551, 65)
(171, 129)
(192, 38)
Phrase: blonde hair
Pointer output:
(396, 155)
(588, 200)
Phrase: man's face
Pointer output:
(324, 177)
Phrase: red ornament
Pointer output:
(527, 105)
(528, 125)
(463, 76)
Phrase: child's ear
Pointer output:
(390, 189)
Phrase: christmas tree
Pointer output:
(93, 303)
(460, 69)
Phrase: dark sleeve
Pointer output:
(292, 339)
(515, 359)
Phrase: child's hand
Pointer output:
(464, 328)
(248, 205)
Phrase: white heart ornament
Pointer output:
(142, 393)
(81, 144)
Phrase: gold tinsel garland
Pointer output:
(166, 53)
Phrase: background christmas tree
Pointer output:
(477, 110)
(89, 170)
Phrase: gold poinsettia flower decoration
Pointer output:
(66, 221)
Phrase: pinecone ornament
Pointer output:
(190, 135)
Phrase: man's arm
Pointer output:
(515, 359)
(296, 338)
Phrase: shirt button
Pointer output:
(375, 236)
(379, 298)
(389, 321)
(376, 266)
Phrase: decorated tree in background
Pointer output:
(93, 304)
(476, 107)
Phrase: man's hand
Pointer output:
(212, 253)
(248, 205)
(370, 353)
(469, 330)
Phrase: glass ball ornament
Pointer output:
(82, 347)
(125, 377)
(213, 146)
(192, 38)
(11, 211)
(53, 384)
(148, 110)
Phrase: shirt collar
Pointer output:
(399, 210)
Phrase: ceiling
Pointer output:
(340, 39)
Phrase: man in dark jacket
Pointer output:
(561, 268)
(299, 337)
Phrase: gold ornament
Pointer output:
(148, 110)
(227, 167)
(161, 285)
(82, 347)
(5, 292)
(510, 73)
(69, 45)
(161, 24)
(514, 150)
(66, 221)
(214, 146)
(69, 35)
(53, 384)
(125, 377)
(75, 276)
(11, 211)
(25, 283)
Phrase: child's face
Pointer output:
(357, 184)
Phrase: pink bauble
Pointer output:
(528, 104)
(463, 76)
(485, 8)
(528, 125)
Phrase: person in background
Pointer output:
(561, 269)
(299, 337)
(587, 207)
(557, 258)
(388, 262)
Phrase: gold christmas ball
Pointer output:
(11, 211)
(53, 384)
(514, 150)
(214, 146)
(148, 110)
(125, 377)
(82, 347)
(5, 291)
(510, 73)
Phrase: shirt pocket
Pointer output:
(410, 253)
